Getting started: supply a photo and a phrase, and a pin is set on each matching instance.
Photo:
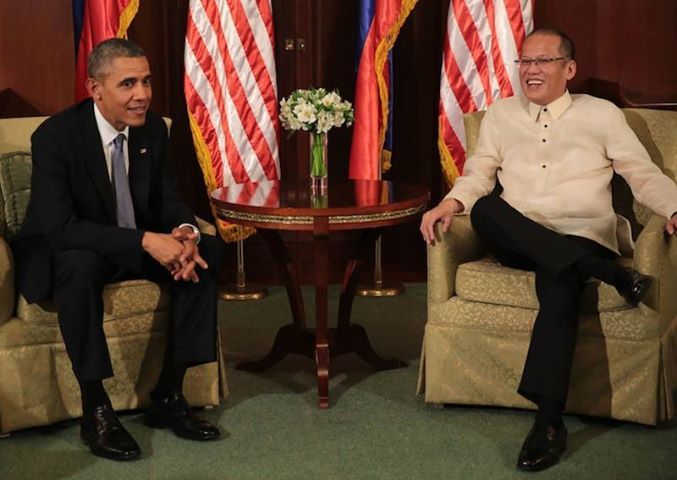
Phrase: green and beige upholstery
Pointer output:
(480, 314)
(37, 385)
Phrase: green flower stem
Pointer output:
(317, 165)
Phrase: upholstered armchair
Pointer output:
(37, 385)
(480, 314)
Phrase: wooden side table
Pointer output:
(362, 205)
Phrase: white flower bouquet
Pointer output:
(316, 110)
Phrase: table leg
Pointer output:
(321, 260)
(293, 338)
(352, 337)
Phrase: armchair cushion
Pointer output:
(516, 288)
(15, 187)
(121, 300)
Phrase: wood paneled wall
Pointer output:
(629, 41)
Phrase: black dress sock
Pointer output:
(171, 376)
(93, 395)
(549, 412)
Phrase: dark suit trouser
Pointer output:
(519, 242)
(79, 280)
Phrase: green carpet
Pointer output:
(376, 428)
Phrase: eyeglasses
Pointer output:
(539, 62)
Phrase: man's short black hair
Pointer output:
(105, 52)
(567, 47)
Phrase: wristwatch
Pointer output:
(196, 231)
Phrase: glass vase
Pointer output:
(318, 163)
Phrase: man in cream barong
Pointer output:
(538, 191)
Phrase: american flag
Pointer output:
(483, 39)
(231, 92)
(231, 89)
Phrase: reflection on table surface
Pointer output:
(349, 193)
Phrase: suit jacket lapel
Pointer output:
(139, 169)
(95, 160)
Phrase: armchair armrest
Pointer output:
(7, 291)
(459, 245)
(656, 255)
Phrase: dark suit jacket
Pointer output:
(72, 204)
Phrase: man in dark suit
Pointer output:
(104, 207)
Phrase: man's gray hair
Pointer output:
(105, 52)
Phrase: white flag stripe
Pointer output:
(506, 42)
(240, 139)
(466, 63)
(527, 15)
(237, 131)
(262, 40)
(499, 44)
(204, 90)
(256, 107)
(206, 87)
(227, 97)
(478, 13)
(455, 121)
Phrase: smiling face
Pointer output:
(543, 84)
(123, 91)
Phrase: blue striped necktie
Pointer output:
(123, 196)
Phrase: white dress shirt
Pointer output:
(556, 162)
(108, 134)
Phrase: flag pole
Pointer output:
(241, 290)
(379, 288)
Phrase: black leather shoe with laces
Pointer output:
(172, 411)
(106, 437)
(634, 286)
(543, 447)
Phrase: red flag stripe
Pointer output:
(208, 112)
(231, 87)
(208, 132)
(509, 37)
(215, 97)
(471, 36)
(246, 45)
(245, 131)
(499, 67)
(516, 19)
(252, 48)
(457, 82)
(467, 70)
(482, 41)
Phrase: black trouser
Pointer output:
(79, 279)
(519, 242)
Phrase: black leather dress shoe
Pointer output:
(172, 411)
(543, 447)
(634, 287)
(106, 437)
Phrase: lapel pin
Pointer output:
(143, 150)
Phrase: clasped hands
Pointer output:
(176, 251)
